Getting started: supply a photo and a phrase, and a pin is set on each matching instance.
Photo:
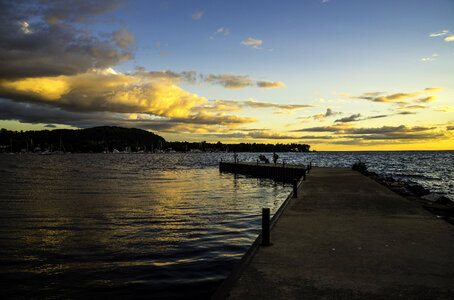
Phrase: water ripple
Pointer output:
(155, 226)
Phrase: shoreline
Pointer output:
(437, 204)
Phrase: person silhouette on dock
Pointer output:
(275, 157)
(264, 159)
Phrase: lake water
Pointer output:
(126, 225)
(161, 226)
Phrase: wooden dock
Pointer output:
(347, 237)
(280, 172)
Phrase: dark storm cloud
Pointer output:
(357, 117)
(232, 81)
(377, 117)
(397, 136)
(30, 46)
(77, 10)
(332, 128)
(406, 113)
(229, 81)
(384, 130)
(352, 118)
(35, 113)
(316, 137)
(331, 113)
(40, 113)
(188, 76)
(387, 129)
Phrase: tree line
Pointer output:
(97, 139)
(112, 138)
(241, 147)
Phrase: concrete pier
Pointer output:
(347, 237)
(280, 171)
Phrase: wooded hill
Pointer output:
(96, 139)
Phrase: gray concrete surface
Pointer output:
(348, 237)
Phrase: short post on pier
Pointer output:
(307, 168)
(304, 175)
(295, 188)
(265, 226)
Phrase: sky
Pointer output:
(335, 74)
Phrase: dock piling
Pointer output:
(265, 226)
(295, 188)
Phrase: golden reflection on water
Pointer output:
(94, 220)
(169, 204)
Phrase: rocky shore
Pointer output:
(441, 206)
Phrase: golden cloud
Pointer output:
(426, 99)
(270, 84)
(105, 91)
(266, 134)
(444, 109)
(127, 96)
(379, 135)
(49, 88)
(221, 105)
(412, 107)
(395, 98)
(230, 81)
(280, 108)
(250, 41)
(443, 32)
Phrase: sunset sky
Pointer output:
(335, 74)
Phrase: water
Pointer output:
(150, 225)
(127, 226)
(434, 170)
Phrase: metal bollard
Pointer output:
(307, 168)
(310, 165)
(304, 175)
(295, 188)
(265, 226)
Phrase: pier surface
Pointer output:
(280, 172)
(348, 237)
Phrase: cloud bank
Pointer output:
(55, 71)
